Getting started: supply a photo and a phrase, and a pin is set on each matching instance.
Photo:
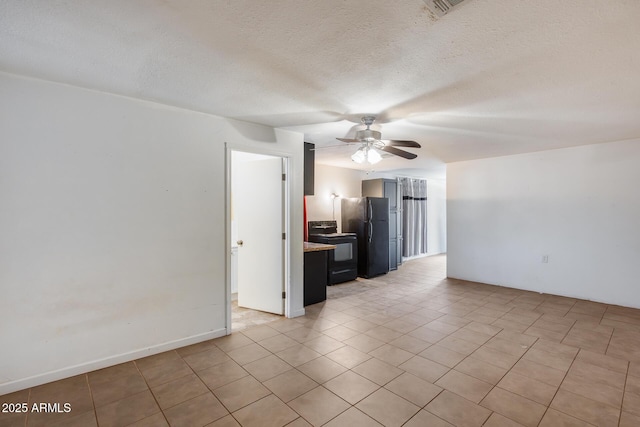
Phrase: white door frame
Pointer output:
(286, 200)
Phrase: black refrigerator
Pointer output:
(368, 218)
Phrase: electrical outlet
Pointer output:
(545, 259)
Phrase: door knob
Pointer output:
(240, 242)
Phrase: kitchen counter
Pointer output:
(314, 247)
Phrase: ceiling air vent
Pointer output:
(442, 7)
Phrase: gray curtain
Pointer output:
(414, 216)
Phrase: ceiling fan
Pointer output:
(371, 144)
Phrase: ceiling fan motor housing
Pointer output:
(368, 135)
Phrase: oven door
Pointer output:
(343, 260)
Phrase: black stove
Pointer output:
(343, 261)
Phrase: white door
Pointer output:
(257, 189)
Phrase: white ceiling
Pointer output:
(492, 78)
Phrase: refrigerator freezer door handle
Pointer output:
(370, 231)
(370, 211)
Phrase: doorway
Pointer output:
(258, 224)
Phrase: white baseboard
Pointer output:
(70, 371)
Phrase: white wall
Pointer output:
(436, 216)
(112, 217)
(328, 180)
(580, 206)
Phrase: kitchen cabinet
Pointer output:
(316, 257)
(389, 189)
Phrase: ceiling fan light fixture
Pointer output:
(373, 156)
(358, 156)
(366, 155)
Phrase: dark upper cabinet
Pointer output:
(309, 168)
(388, 188)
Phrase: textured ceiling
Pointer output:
(494, 77)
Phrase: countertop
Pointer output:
(314, 247)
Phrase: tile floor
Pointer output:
(409, 348)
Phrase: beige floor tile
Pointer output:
(377, 371)
(539, 372)
(297, 355)
(509, 325)
(632, 385)
(516, 337)
(318, 406)
(351, 387)
(383, 334)
(222, 374)
(364, 343)
(481, 370)
(528, 387)
(424, 418)
(348, 357)
(178, 391)
(289, 385)
(106, 392)
(353, 417)
(266, 412)
(546, 334)
(480, 328)
(206, 359)
(585, 409)
(556, 361)
(128, 410)
(156, 420)
(226, 421)
(166, 372)
(597, 375)
(497, 420)
(427, 334)
(304, 334)
(196, 348)
(400, 326)
(515, 407)
(391, 354)
(267, 367)
(341, 333)
(495, 357)
(424, 368)
(240, 393)
(248, 353)
(634, 368)
(388, 408)
(321, 324)
(278, 343)
(603, 361)
(360, 325)
(464, 385)
(631, 404)
(629, 420)
(507, 346)
(458, 410)
(442, 355)
(321, 369)
(324, 344)
(113, 372)
(553, 418)
(459, 345)
(156, 360)
(258, 333)
(591, 389)
(200, 410)
(232, 342)
(410, 344)
(414, 389)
